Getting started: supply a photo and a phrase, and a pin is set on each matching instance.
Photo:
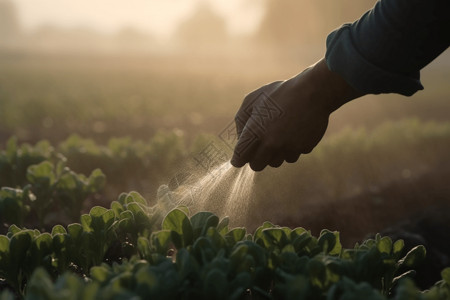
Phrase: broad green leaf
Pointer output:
(58, 229)
(19, 245)
(135, 197)
(184, 209)
(198, 220)
(175, 220)
(212, 221)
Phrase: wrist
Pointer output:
(339, 91)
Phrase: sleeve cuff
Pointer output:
(343, 57)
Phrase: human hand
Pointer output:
(282, 120)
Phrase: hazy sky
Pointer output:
(159, 17)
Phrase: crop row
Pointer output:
(129, 251)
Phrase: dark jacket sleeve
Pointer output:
(384, 51)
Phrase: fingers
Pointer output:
(245, 148)
(262, 158)
(272, 158)
(276, 162)
(292, 157)
(245, 111)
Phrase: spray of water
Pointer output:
(224, 190)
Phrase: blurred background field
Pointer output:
(139, 100)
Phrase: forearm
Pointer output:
(385, 49)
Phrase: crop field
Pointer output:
(104, 194)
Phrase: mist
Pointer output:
(174, 78)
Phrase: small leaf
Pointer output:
(108, 218)
(139, 214)
(122, 197)
(275, 236)
(44, 242)
(398, 247)
(235, 235)
(86, 222)
(223, 225)
(117, 208)
(75, 230)
(135, 197)
(161, 240)
(13, 229)
(59, 241)
(326, 241)
(297, 232)
(384, 245)
(258, 233)
(97, 211)
(58, 229)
